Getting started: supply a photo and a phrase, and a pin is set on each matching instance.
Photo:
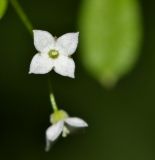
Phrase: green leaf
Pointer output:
(3, 7)
(110, 36)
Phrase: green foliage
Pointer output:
(110, 33)
(3, 7)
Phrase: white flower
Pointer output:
(61, 121)
(54, 53)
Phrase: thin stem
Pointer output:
(19, 10)
(53, 102)
(52, 98)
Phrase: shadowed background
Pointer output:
(121, 120)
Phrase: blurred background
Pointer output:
(121, 119)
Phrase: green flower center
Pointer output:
(58, 116)
(53, 54)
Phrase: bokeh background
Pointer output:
(121, 120)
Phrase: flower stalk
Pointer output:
(53, 102)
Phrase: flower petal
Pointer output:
(40, 64)
(64, 66)
(43, 40)
(67, 43)
(53, 132)
(76, 122)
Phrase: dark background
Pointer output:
(121, 120)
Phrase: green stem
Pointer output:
(19, 10)
(52, 97)
(53, 102)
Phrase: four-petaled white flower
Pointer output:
(54, 53)
(61, 121)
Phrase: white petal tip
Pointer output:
(31, 72)
(86, 124)
(78, 33)
(35, 30)
(72, 76)
(48, 145)
(68, 75)
(47, 149)
(76, 122)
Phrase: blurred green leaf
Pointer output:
(3, 7)
(110, 34)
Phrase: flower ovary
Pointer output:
(58, 116)
(53, 54)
